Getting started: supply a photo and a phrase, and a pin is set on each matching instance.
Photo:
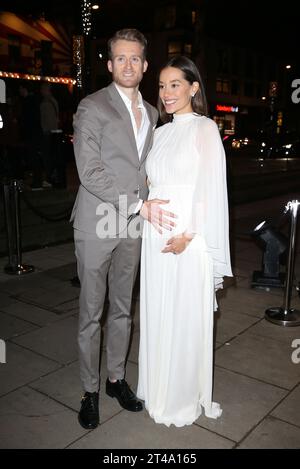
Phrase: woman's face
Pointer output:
(175, 91)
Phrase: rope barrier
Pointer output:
(60, 216)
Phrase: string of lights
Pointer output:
(86, 13)
(26, 76)
(78, 59)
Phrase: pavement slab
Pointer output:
(262, 358)
(268, 329)
(137, 430)
(12, 327)
(229, 324)
(56, 341)
(31, 313)
(247, 300)
(289, 408)
(32, 420)
(22, 366)
(245, 401)
(273, 434)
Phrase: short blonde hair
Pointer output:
(127, 35)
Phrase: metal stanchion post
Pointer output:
(285, 315)
(15, 266)
(9, 224)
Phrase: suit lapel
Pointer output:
(120, 107)
(149, 136)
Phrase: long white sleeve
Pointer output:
(210, 202)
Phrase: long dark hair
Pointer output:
(191, 74)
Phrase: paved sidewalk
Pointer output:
(256, 381)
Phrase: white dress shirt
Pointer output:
(141, 133)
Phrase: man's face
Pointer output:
(127, 65)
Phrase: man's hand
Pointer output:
(178, 243)
(157, 216)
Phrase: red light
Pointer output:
(223, 108)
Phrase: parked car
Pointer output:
(285, 146)
(242, 144)
(261, 145)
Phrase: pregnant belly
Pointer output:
(180, 202)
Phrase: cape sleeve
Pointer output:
(209, 217)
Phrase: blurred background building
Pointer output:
(243, 50)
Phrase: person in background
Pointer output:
(52, 134)
(31, 133)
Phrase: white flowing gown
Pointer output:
(177, 299)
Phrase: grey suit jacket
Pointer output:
(107, 159)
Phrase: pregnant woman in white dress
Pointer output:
(181, 269)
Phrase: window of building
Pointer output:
(235, 63)
(271, 71)
(222, 86)
(249, 69)
(225, 86)
(165, 17)
(248, 89)
(222, 61)
(219, 86)
(234, 87)
(14, 48)
(258, 91)
(174, 48)
(46, 57)
(188, 49)
(194, 17)
(170, 16)
(226, 124)
(159, 18)
(260, 73)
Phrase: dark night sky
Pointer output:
(261, 24)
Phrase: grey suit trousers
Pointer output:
(112, 261)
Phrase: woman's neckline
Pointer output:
(184, 117)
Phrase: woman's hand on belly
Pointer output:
(178, 243)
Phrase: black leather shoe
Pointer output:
(88, 416)
(127, 399)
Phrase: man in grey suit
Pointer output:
(113, 130)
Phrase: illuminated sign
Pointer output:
(223, 108)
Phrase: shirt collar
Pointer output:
(127, 101)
